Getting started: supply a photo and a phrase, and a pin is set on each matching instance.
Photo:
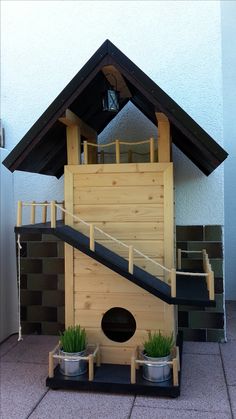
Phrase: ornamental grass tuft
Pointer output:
(73, 339)
(158, 345)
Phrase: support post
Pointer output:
(117, 151)
(73, 144)
(131, 259)
(164, 139)
(32, 213)
(53, 214)
(19, 214)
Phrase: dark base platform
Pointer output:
(113, 379)
(109, 378)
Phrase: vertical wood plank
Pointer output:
(73, 144)
(164, 139)
(169, 243)
(69, 286)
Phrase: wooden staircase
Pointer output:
(190, 290)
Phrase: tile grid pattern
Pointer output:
(197, 323)
(208, 385)
(42, 284)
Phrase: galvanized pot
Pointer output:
(72, 367)
(156, 373)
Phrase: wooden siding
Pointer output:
(131, 202)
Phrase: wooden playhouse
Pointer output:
(117, 218)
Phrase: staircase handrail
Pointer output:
(208, 274)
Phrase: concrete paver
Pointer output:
(8, 344)
(22, 386)
(203, 387)
(228, 351)
(232, 395)
(204, 348)
(75, 405)
(153, 413)
(33, 349)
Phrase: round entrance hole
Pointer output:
(118, 324)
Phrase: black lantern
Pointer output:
(110, 97)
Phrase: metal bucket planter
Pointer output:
(71, 367)
(156, 373)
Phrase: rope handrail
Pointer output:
(173, 272)
(121, 142)
(127, 246)
(42, 204)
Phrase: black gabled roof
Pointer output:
(43, 148)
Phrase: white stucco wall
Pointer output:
(176, 43)
(229, 125)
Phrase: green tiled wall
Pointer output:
(42, 284)
(197, 323)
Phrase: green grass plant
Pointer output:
(158, 345)
(73, 339)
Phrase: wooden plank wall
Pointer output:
(128, 202)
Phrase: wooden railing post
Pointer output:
(179, 254)
(175, 372)
(91, 369)
(53, 214)
(85, 152)
(152, 151)
(91, 237)
(211, 285)
(44, 212)
(173, 282)
(102, 157)
(131, 259)
(19, 214)
(130, 156)
(117, 151)
(32, 213)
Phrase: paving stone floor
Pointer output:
(208, 385)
